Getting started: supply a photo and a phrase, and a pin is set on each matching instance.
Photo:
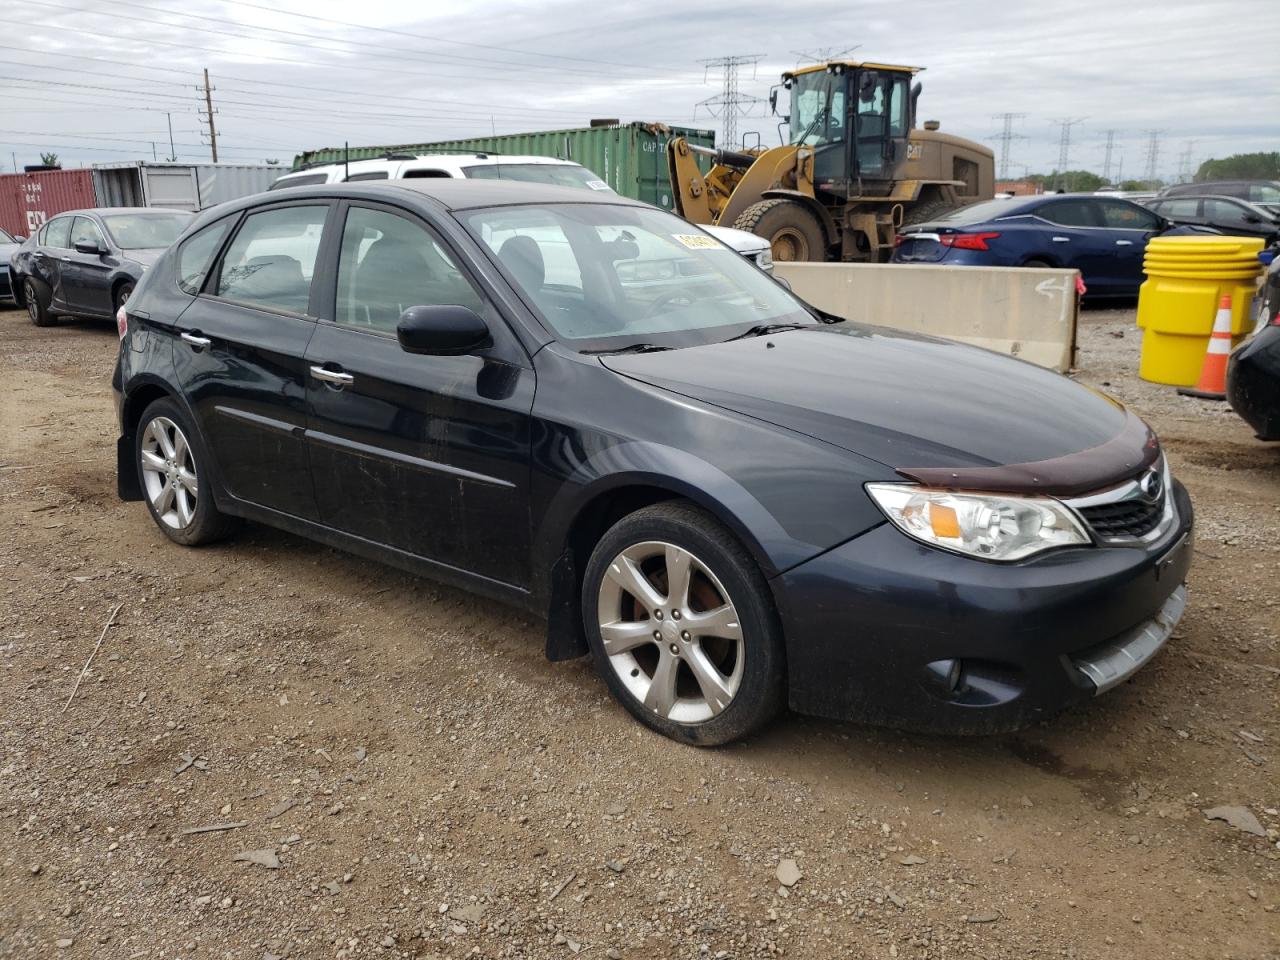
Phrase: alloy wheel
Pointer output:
(169, 472)
(33, 308)
(671, 632)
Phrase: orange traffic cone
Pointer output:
(1212, 384)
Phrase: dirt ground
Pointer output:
(431, 787)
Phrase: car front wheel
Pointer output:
(174, 481)
(681, 626)
(37, 309)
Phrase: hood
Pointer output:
(935, 410)
(742, 241)
(146, 257)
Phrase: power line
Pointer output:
(730, 104)
(1005, 137)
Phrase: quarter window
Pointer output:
(197, 253)
(86, 231)
(58, 232)
(271, 260)
(376, 175)
(1224, 212)
(388, 264)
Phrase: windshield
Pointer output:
(817, 109)
(145, 231)
(564, 174)
(604, 276)
(6, 238)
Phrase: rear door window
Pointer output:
(196, 255)
(272, 258)
(58, 232)
(1225, 212)
(1070, 213)
(1178, 208)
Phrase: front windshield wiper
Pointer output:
(631, 348)
(760, 329)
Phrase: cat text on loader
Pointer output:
(854, 172)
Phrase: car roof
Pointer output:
(460, 193)
(99, 211)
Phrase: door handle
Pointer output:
(336, 377)
(1061, 239)
(196, 340)
(1124, 243)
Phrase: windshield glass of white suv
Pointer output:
(563, 174)
(611, 273)
(145, 231)
(6, 238)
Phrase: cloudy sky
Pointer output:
(93, 81)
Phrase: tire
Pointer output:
(925, 212)
(123, 293)
(37, 309)
(703, 688)
(188, 517)
(1042, 264)
(793, 232)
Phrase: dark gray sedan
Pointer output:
(85, 263)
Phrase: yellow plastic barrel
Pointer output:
(1186, 279)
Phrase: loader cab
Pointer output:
(857, 119)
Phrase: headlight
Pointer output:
(990, 526)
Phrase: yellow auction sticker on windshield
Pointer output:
(700, 241)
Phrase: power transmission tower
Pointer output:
(731, 103)
(1153, 155)
(1064, 150)
(1184, 162)
(1005, 137)
(1106, 159)
(823, 54)
(207, 116)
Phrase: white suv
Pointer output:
(488, 166)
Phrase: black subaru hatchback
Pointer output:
(591, 409)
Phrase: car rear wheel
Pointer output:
(681, 627)
(37, 309)
(174, 484)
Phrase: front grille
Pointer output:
(5, 289)
(1127, 518)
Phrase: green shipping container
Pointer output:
(630, 157)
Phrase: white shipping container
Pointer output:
(179, 186)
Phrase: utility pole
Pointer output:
(1006, 137)
(1064, 150)
(730, 104)
(208, 106)
(1153, 155)
(1106, 160)
(173, 154)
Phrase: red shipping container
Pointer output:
(29, 199)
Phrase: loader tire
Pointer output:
(930, 210)
(793, 232)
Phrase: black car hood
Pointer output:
(926, 407)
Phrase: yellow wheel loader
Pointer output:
(855, 171)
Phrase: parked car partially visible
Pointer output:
(8, 247)
(1228, 215)
(1102, 237)
(1253, 372)
(491, 166)
(86, 263)
(1265, 193)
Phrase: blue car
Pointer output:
(1102, 237)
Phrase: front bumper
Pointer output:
(887, 630)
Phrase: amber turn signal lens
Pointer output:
(944, 521)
